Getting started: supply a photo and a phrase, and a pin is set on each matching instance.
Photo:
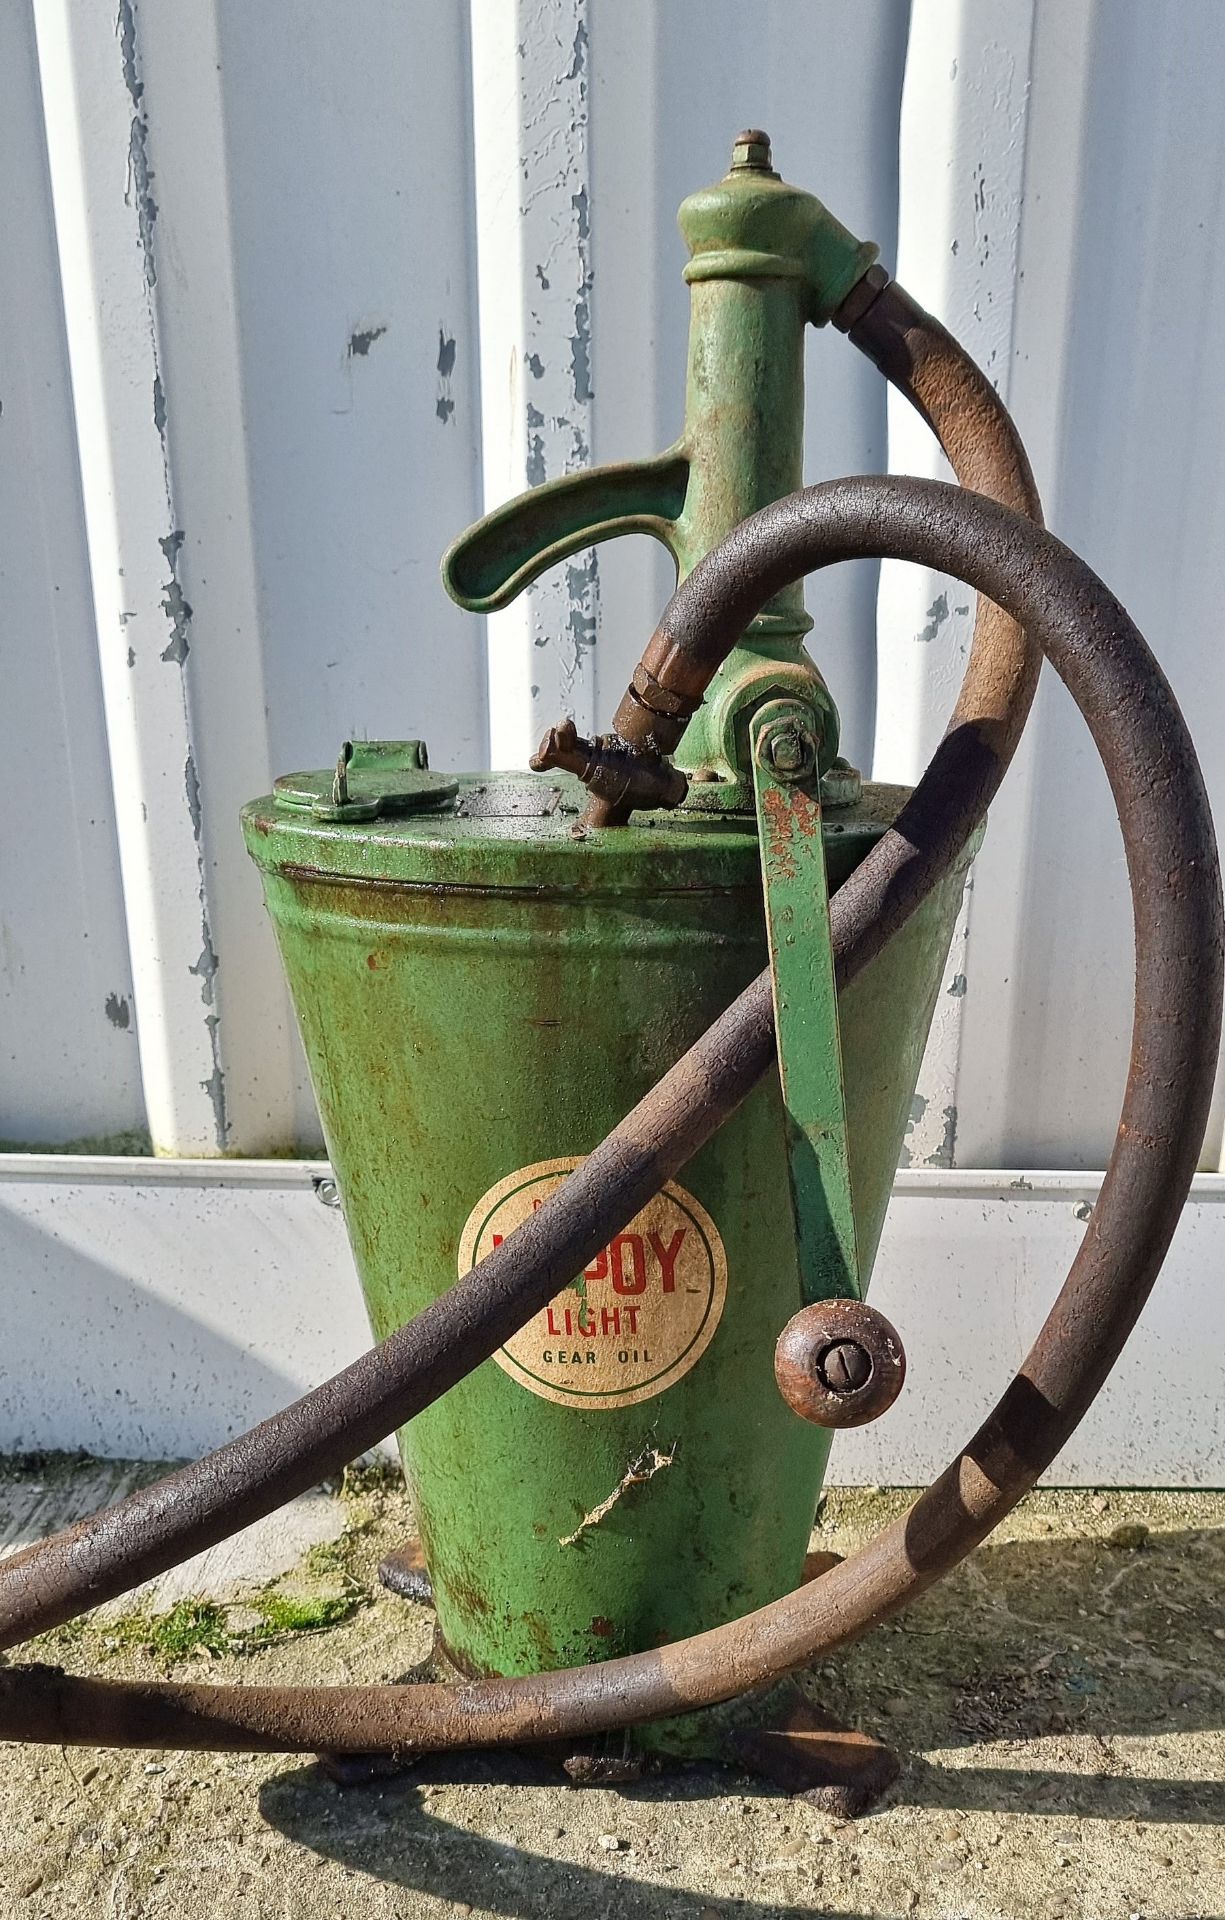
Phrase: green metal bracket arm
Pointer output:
(784, 744)
(503, 553)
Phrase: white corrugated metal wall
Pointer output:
(291, 293)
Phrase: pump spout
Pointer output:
(618, 779)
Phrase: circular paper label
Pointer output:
(635, 1321)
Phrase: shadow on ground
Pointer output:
(397, 1839)
(1065, 1661)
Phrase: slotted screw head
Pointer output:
(845, 1367)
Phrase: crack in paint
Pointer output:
(444, 406)
(175, 604)
(554, 200)
(125, 27)
(205, 971)
(537, 470)
(580, 339)
(582, 207)
(361, 341)
(937, 614)
(943, 1156)
(578, 52)
(206, 968)
(580, 350)
(649, 1462)
(581, 584)
(138, 192)
(191, 781)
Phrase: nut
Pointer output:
(790, 751)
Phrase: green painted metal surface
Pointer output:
(481, 996)
(766, 260)
(796, 901)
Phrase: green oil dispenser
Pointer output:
(609, 1077)
(489, 969)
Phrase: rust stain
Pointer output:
(806, 813)
(542, 1637)
(779, 850)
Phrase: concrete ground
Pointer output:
(1058, 1704)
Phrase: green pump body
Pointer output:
(483, 992)
(766, 260)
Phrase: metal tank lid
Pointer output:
(384, 816)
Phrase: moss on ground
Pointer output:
(333, 1582)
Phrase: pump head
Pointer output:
(766, 261)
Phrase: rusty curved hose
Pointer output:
(1175, 881)
(192, 1509)
(923, 361)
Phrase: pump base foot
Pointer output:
(792, 1743)
(405, 1573)
(801, 1750)
(805, 1750)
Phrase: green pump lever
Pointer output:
(766, 260)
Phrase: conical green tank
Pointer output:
(482, 996)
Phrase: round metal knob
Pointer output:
(839, 1363)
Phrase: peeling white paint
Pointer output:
(97, 136)
(962, 170)
(69, 1069)
(531, 116)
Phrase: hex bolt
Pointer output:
(841, 785)
(751, 151)
(845, 1367)
(789, 750)
(327, 1193)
